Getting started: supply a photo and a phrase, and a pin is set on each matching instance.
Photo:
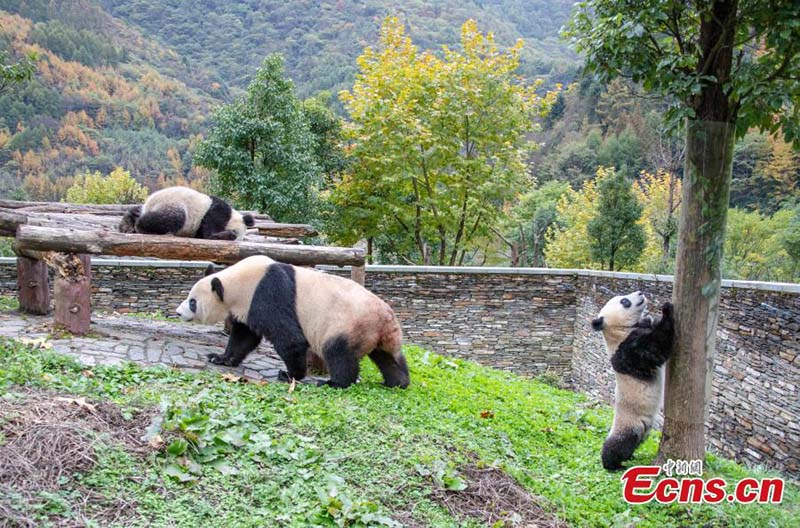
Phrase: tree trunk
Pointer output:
(704, 209)
(706, 190)
(33, 286)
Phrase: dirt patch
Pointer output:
(48, 437)
(495, 499)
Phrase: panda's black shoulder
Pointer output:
(637, 355)
(277, 286)
(272, 310)
(215, 218)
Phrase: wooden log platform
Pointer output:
(38, 238)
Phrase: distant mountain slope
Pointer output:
(103, 95)
(321, 39)
(132, 82)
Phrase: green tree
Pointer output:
(567, 241)
(615, 235)
(755, 246)
(327, 129)
(790, 240)
(263, 151)
(531, 218)
(116, 188)
(725, 66)
(437, 145)
(15, 71)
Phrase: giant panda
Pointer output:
(638, 346)
(184, 212)
(299, 310)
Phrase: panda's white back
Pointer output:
(328, 305)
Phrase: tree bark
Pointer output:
(33, 286)
(696, 291)
(169, 247)
(706, 194)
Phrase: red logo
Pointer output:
(640, 485)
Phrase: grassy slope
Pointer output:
(374, 439)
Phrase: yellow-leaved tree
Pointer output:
(660, 194)
(437, 145)
(568, 244)
(118, 187)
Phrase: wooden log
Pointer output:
(59, 207)
(285, 230)
(72, 291)
(33, 286)
(100, 209)
(169, 247)
(358, 274)
(10, 221)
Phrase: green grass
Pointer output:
(337, 458)
(8, 303)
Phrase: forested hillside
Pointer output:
(132, 83)
(321, 39)
(103, 96)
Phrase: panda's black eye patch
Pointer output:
(193, 305)
(626, 302)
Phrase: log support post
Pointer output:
(72, 290)
(33, 286)
(358, 274)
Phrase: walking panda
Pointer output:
(300, 310)
(639, 346)
(184, 212)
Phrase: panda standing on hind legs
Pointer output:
(638, 346)
(300, 310)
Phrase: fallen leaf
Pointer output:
(88, 373)
(233, 378)
(39, 342)
(156, 442)
(487, 414)
(80, 402)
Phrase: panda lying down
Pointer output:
(638, 346)
(300, 310)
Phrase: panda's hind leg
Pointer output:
(342, 362)
(393, 367)
(620, 445)
(165, 221)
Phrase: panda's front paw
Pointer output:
(217, 359)
(667, 310)
(284, 376)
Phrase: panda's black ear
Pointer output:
(597, 323)
(216, 287)
(210, 270)
(249, 221)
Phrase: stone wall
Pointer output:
(531, 321)
(514, 321)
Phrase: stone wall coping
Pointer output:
(133, 263)
(783, 287)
